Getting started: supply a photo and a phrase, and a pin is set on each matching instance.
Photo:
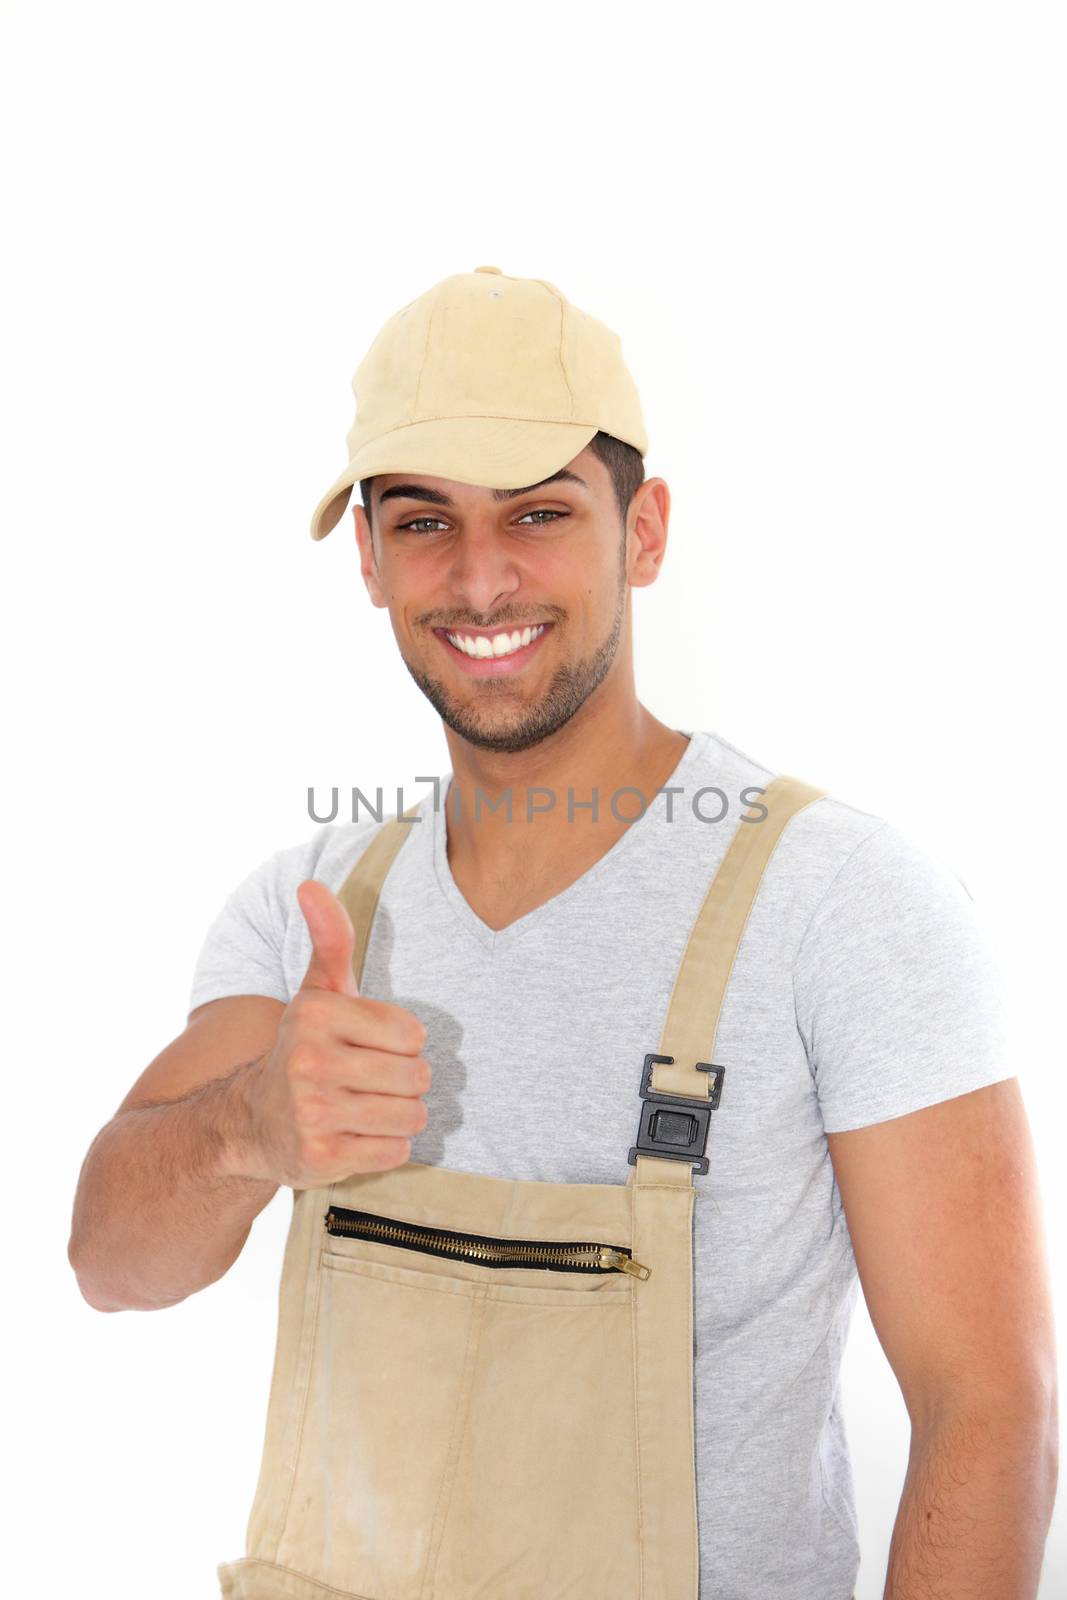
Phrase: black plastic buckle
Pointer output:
(675, 1126)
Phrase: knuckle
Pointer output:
(408, 1033)
(374, 1010)
(317, 1150)
(311, 1110)
(304, 1060)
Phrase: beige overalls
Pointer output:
(483, 1386)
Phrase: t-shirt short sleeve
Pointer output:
(249, 948)
(899, 996)
(242, 949)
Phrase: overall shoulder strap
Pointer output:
(360, 891)
(700, 984)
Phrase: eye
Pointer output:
(543, 511)
(414, 520)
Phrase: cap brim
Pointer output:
(495, 452)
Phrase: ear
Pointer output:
(367, 561)
(648, 516)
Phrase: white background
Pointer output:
(832, 239)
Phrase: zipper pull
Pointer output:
(624, 1263)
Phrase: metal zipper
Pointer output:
(340, 1220)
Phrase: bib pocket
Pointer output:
(545, 1498)
(389, 1372)
(460, 1390)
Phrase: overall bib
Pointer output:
(483, 1387)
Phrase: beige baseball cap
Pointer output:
(485, 379)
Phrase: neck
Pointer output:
(591, 757)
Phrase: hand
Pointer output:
(339, 1092)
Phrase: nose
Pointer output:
(482, 573)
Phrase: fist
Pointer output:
(340, 1091)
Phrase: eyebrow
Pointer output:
(420, 491)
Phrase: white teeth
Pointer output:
(501, 644)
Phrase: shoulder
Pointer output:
(818, 838)
(854, 870)
(888, 883)
(896, 944)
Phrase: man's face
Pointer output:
(455, 558)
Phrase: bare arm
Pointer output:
(157, 1214)
(945, 1218)
(254, 1093)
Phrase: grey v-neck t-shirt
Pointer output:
(865, 987)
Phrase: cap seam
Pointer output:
(425, 355)
(559, 354)
(561, 304)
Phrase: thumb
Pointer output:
(333, 939)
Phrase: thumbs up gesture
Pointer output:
(339, 1092)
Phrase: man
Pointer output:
(525, 946)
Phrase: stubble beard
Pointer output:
(570, 686)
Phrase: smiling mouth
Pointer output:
(498, 653)
(492, 645)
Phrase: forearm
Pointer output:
(976, 1504)
(157, 1214)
